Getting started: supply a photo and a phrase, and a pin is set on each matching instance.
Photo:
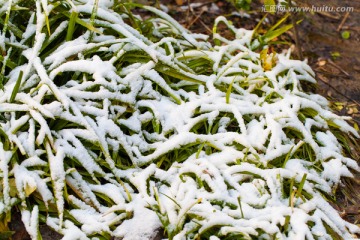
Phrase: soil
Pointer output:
(335, 60)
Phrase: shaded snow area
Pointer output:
(121, 134)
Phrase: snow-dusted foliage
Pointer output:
(116, 126)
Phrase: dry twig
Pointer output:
(343, 21)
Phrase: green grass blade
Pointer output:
(71, 27)
(241, 210)
(13, 28)
(228, 92)
(172, 199)
(92, 18)
(287, 222)
(176, 74)
(199, 150)
(126, 191)
(16, 87)
(7, 17)
(5, 141)
(259, 24)
(288, 157)
(83, 23)
(273, 34)
(46, 14)
(47, 24)
(279, 22)
(298, 194)
(291, 191)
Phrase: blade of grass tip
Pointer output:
(47, 23)
(2, 133)
(301, 185)
(156, 125)
(279, 22)
(273, 34)
(71, 26)
(83, 23)
(228, 92)
(258, 25)
(356, 126)
(291, 192)
(182, 217)
(287, 221)
(132, 19)
(288, 157)
(308, 150)
(172, 199)
(126, 190)
(46, 14)
(19, 8)
(241, 210)
(7, 17)
(161, 161)
(213, 146)
(157, 198)
(16, 87)
(214, 31)
(199, 150)
(14, 155)
(281, 182)
(39, 237)
(93, 16)
(246, 154)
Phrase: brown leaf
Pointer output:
(179, 2)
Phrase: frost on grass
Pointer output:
(116, 126)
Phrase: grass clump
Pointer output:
(109, 121)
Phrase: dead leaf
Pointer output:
(179, 2)
(29, 189)
(321, 63)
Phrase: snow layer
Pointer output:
(235, 137)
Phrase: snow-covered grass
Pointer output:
(116, 126)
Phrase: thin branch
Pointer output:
(343, 21)
(297, 38)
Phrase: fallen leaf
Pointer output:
(29, 189)
(321, 63)
(179, 2)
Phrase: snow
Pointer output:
(5, 159)
(31, 221)
(144, 225)
(229, 177)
